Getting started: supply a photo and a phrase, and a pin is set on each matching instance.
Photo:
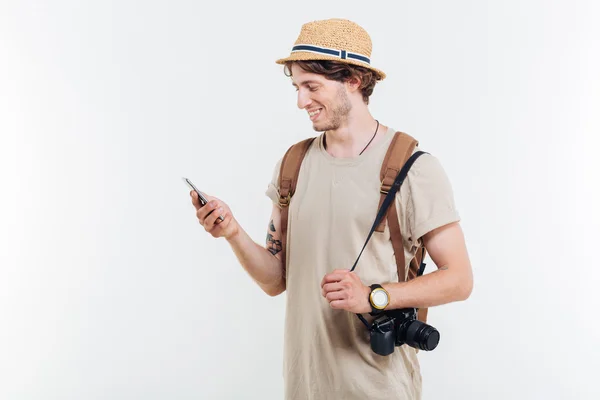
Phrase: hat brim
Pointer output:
(307, 56)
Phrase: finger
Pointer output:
(339, 304)
(219, 224)
(331, 287)
(212, 218)
(200, 201)
(339, 295)
(195, 199)
(337, 275)
(226, 221)
(221, 215)
(332, 277)
(219, 227)
(203, 212)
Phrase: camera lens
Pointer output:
(422, 336)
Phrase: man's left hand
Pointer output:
(345, 291)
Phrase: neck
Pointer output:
(352, 136)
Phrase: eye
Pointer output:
(313, 88)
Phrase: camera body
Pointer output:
(397, 327)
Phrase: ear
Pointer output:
(353, 84)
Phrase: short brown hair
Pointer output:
(341, 72)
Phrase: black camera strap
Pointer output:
(385, 205)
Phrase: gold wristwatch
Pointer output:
(379, 299)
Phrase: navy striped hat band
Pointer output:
(342, 54)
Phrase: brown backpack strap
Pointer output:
(415, 265)
(396, 238)
(288, 177)
(400, 150)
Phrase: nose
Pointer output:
(303, 99)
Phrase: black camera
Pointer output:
(397, 327)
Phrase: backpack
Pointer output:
(399, 151)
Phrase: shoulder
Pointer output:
(426, 165)
(430, 198)
(428, 182)
(292, 156)
(276, 170)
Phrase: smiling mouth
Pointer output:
(314, 114)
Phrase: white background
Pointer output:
(109, 287)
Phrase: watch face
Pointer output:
(380, 298)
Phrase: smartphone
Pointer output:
(202, 199)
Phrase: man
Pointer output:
(327, 350)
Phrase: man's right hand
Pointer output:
(228, 228)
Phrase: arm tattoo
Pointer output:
(272, 227)
(274, 246)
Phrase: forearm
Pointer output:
(443, 286)
(264, 268)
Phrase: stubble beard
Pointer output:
(338, 115)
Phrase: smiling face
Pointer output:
(326, 101)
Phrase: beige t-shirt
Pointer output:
(327, 353)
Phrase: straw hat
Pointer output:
(333, 39)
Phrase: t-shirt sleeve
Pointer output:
(273, 186)
(430, 202)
